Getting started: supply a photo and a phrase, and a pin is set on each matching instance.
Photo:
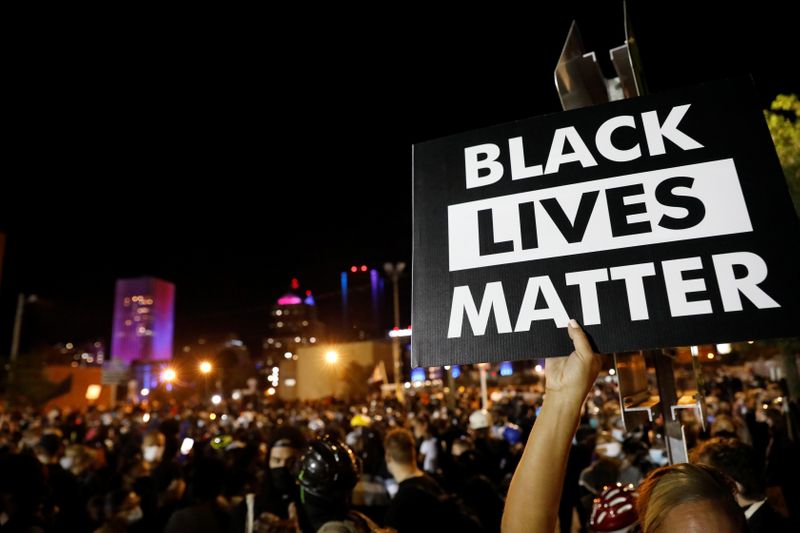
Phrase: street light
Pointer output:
(168, 375)
(394, 270)
(205, 369)
(331, 357)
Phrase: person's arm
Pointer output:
(535, 491)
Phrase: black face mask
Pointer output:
(282, 479)
(466, 463)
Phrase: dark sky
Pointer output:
(228, 160)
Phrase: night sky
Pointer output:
(229, 161)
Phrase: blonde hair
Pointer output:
(670, 486)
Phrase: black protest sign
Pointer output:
(656, 221)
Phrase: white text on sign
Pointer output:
(481, 165)
(666, 205)
(732, 287)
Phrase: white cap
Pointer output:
(480, 419)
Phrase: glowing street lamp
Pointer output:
(168, 375)
(205, 367)
(331, 357)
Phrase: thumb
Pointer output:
(579, 340)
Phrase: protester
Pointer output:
(741, 463)
(64, 507)
(614, 510)
(204, 515)
(674, 498)
(123, 513)
(540, 474)
(328, 472)
(418, 494)
(278, 489)
(427, 444)
(689, 497)
(137, 466)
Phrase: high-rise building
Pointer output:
(144, 313)
(363, 313)
(293, 323)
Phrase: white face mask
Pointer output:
(152, 454)
(65, 462)
(618, 434)
(609, 449)
(134, 515)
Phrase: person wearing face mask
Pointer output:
(370, 495)
(77, 460)
(609, 449)
(612, 466)
(279, 489)
(153, 449)
(63, 507)
(160, 483)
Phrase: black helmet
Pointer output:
(328, 469)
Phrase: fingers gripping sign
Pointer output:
(570, 378)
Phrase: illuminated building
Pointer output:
(144, 310)
(293, 323)
(363, 314)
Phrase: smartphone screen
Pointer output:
(186, 446)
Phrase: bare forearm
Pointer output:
(535, 491)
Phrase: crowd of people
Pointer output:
(335, 466)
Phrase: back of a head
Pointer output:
(400, 446)
(723, 426)
(288, 436)
(681, 496)
(50, 444)
(737, 460)
(328, 470)
(206, 479)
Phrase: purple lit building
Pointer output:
(144, 310)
